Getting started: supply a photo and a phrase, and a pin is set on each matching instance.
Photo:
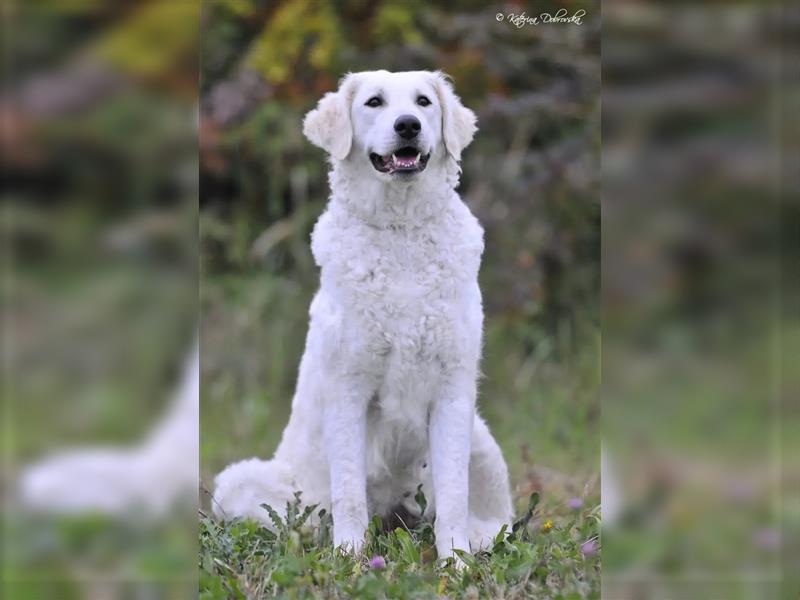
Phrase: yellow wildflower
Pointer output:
(547, 525)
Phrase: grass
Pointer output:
(543, 556)
(70, 557)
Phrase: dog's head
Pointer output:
(398, 123)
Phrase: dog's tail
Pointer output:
(243, 487)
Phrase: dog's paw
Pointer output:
(449, 543)
(353, 547)
(350, 539)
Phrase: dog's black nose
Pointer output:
(407, 126)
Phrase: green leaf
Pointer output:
(533, 501)
(421, 500)
(274, 516)
(408, 549)
(467, 558)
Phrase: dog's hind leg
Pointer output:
(242, 488)
(489, 491)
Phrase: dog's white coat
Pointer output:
(386, 392)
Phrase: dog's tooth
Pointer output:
(394, 158)
(419, 154)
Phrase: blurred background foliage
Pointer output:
(531, 177)
(98, 225)
(99, 155)
(700, 200)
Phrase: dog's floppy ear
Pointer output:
(458, 122)
(328, 126)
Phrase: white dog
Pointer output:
(385, 397)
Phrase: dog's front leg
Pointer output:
(344, 433)
(450, 434)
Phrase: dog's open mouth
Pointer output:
(402, 160)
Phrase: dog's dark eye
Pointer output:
(423, 101)
(374, 102)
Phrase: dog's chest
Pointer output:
(407, 287)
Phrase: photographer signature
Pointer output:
(561, 16)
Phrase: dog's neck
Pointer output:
(394, 203)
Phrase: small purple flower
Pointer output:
(575, 503)
(589, 548)
(377, 562)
